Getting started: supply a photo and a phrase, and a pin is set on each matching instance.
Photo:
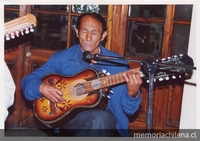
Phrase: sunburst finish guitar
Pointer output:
(84, 90)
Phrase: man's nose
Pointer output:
(89, 36)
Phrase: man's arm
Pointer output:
(133, 82)
(33, 87)
(131, 100)
(131, 105)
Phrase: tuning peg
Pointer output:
(148, 80)
(186, 74)
(175, 56)
(22, 32)
(173, 77)
(169, 58)
(7, 37)
(12, 35)
(167, 78)
(17, 33)
(160, 79)
(111, 92)
(31, 28)
(180, 55)
(26, 30)
(163, 59)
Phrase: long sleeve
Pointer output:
(31, 83)
(131, 105)
(57, 63)
(120, 102)
(9, 90)
(121, 105)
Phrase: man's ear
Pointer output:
(76, 30)
(104, 35)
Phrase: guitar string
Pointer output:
(111, 78)
(68, 97)
(88, 87)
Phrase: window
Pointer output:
(56, 25)
(147, 28)
(181, 29)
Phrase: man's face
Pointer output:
(90, 33)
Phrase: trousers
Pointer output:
(96, 122)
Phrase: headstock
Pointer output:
(176, 63)
(170, 68)
(19, 26)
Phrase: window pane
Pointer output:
(183, 12)
(63, 8)
(51, 32)
(147, 11)
(12, 6)
(74, 39)
(10, 15)
(180, 39)
(144, 38)
(101, 9)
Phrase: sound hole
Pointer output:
(79, 89)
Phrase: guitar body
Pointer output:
(49, 112)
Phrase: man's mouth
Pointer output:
(88, 44)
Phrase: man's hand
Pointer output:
(51, 93)
(133, 81)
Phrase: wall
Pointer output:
(189, 113)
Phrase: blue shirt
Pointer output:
(69, 62)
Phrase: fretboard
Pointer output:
(115, 79)
(106, 81)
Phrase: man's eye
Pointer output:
(94, 33)
(84, 31)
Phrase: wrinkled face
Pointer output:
(90, 33)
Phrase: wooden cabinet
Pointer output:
(23, 58)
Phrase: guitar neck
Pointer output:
(108, 81)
